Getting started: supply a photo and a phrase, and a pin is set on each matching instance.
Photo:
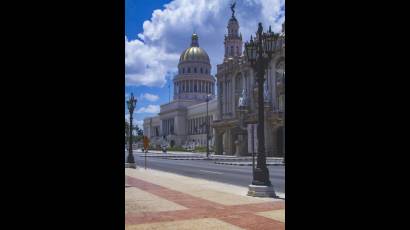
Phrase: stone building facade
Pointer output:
(236, 122)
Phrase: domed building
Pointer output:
(182, 122)
(194, 80)
(233, 114)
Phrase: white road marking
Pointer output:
(211, 172)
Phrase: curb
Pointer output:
(197, 158)
(247, 164)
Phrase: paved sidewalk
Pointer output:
(160, 200)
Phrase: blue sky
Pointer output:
(136, 12)
(157, 31)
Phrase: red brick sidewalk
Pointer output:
(243, 216)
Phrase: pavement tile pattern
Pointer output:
(164, 208)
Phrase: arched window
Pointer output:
(195, 70)
(232, 50)
(183, 70)
(206, 71)
(189, 70)
(237, 50)
(202, 70)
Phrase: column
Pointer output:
(165, 127)
(232, 98)
(203, 127)
(200, 87)
(218, 143)
(189, 86)
(197, 125)
(194, 126)
(228, 97)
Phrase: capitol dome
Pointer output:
(194, 80)
(194, 53)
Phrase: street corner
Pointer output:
(160, 202)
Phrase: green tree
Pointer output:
(139, 134)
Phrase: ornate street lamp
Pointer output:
(131, 103)
(259, 53)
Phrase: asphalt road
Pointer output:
(231, 174)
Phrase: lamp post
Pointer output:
(259, 54)
(131, 103)
(207, 127)
(283, 144)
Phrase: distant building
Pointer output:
(233, 113)
(183, 120)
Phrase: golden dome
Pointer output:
(194, 54)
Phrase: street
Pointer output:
(231, 174)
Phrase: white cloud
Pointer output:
(150, 97)
(146, 65)
(153, 58)
(149, 109)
